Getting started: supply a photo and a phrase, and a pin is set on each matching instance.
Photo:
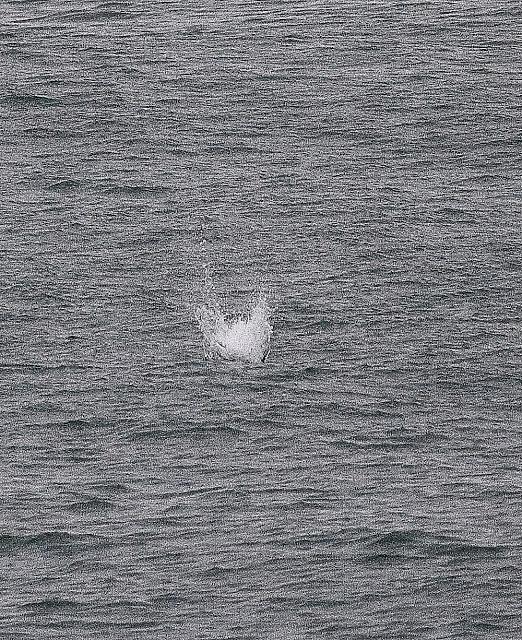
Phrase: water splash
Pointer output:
(244, 337)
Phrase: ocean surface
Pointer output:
(359, 163)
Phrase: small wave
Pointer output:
(47, 540)
(105, 11)
(394, 539)
(171, 599)
(219, 572)
(37, 367)
(47, 132)
(125, 604)
(143, 240)
(29, 100)
(76, 424)
(51, 605)
(458, 549)
(407, 544)
(136, 189)
(204, 431)
(110, 487)
(90, 506)
(64, 185)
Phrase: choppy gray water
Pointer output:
(359, 160)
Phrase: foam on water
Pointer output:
(244, 337)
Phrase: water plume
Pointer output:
(244, 337)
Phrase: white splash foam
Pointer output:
(245, 338)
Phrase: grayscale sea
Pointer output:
(360, 163)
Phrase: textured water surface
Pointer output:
(359, 162)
